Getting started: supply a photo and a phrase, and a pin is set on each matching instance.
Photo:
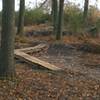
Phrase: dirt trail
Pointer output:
(67, 57)
(40, 84)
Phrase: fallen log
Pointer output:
(33, 60)
(33, 49)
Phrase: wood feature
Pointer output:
(33, 60)
(33, 49)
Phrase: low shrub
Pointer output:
(36, 16)
(73, 20)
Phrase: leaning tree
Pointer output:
(7, 68)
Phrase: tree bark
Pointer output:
(20, 29)
(60, 20)
(55, 15)
(7, 68)
(85, 13)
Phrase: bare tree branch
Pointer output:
(43, 4)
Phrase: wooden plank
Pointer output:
(33, 49)
(33, 60)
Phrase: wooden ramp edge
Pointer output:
(33, 60)
(33, 49)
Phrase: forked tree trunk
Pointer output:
(55, 15)
(20, 29)
(85, 13)
(60, 20)
(7, 68)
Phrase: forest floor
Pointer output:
(79, 78)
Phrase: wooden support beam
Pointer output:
(33, 60)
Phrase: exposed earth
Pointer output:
(68, 57)
(79, 78)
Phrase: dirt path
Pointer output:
(39, 84)
(67, 57)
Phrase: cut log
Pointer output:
(33, 60)
(33, 49)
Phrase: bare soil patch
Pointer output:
(79, 79)
(68, 57)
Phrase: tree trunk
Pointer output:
(7, 68)
(60, 20)
(85, 13)
(20, 30)
(55, 15)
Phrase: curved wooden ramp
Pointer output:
(33, 60)
(36, 48)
